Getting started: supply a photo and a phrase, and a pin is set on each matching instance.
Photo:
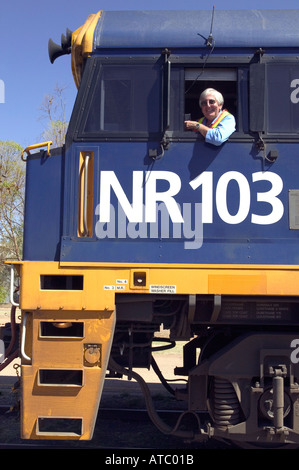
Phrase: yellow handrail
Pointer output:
(36, 146)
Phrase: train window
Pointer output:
(125, 99)
(197, 80)
(282, 97)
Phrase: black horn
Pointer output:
(66, 41)
(56, 51)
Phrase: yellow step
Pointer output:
(63, 370)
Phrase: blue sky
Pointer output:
(25, 69)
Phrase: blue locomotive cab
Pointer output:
(138, 222)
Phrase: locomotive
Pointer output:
(137, 223)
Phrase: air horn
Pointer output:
(56, 51)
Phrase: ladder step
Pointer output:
(60, 377)
(59, 427)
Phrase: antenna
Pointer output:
(210, 40)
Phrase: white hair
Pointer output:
(210, 91)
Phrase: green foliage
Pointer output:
(12, 184)
(3, 295)
(12, 188)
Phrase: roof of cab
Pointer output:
(177, 29)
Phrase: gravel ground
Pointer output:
(121, 432)
(121, 393)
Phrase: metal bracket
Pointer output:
(217, 308)
(191, 308)
(278, 372)
(259, 53)
(260, 144)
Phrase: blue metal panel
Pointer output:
(245, 202)
(237, 28)
(43, 205)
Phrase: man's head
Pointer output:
(211, 102)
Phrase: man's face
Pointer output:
(210, 108)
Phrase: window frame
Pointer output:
(94, 74)
(241, 70)
(260, 100)
(251, 97)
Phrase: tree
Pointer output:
(12, 183)
(53, 109)
(12, 188)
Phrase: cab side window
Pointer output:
(125, 100)
(188, 83)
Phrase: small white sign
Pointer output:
(120, 287)
(162, 289)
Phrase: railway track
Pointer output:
(122, 421)
(115, 428)
(114, 416)
(136, 415)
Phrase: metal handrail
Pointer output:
(12, 281)
(23, 337)
(85, 193)
(36, 146)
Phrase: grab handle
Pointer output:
(23, 338)
(85, 194)
(86, 167)
(36, 146)
(12, 281)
